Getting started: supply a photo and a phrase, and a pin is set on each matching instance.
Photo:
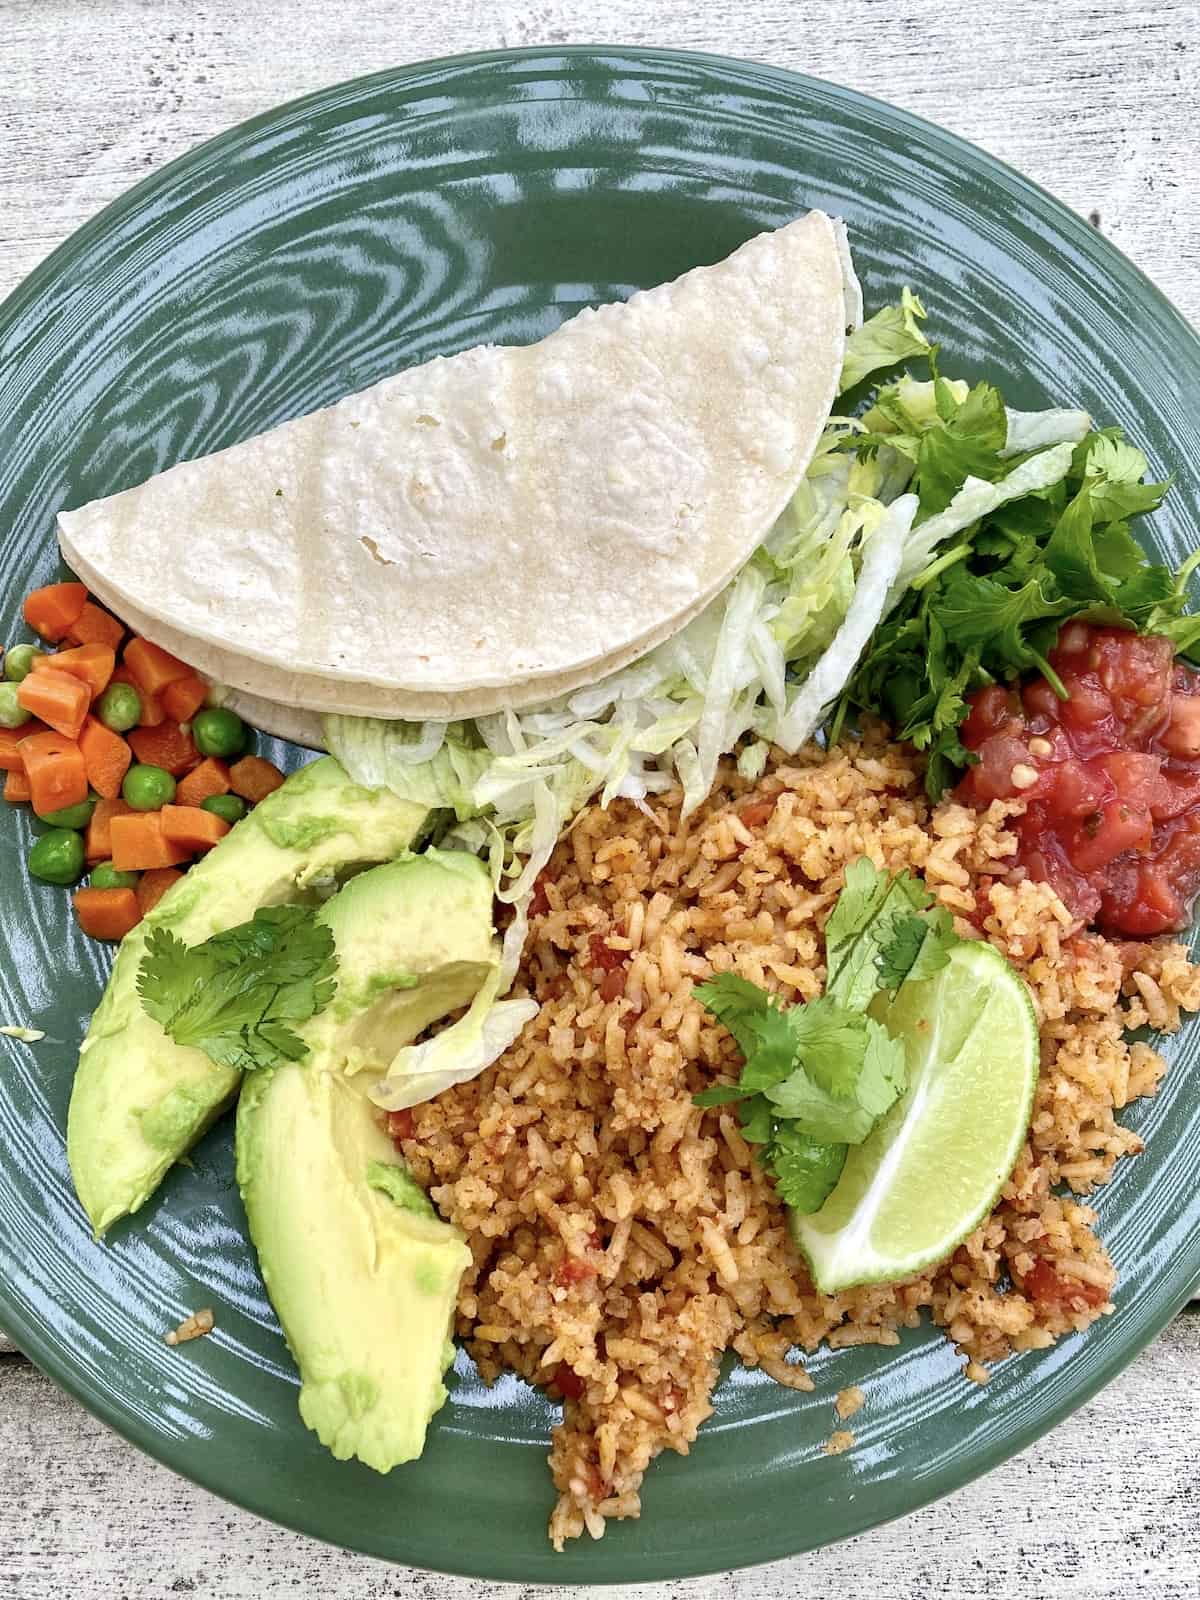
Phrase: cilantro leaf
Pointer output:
(919, 948)
(844, 1085)
(829, 1039)
(775, 1056)
(761, 1029)
(805, 1170)
(817, 1077)
(235, 995)
(721, 1094)
(883, 931)
(758, 1120)
(983, 615)
(966, 444)
(883, 1076)
(173, 974)
(1184, 632)
(825, 1068)
(861, 924)
(734, 1001)
(834, 1118)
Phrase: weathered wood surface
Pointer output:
(1107, 1506)
(1099, 101)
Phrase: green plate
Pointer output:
(313, 251)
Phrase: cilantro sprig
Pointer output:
(239, 995)
(816, 1078)
(989, 603)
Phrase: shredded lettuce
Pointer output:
(851, 288)
(977, 498)
(458, 1053)
(832, 672)
(1037, 430)
(890, 336)
(385, 757)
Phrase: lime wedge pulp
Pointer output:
(931, 1171)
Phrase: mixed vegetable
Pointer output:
(111, 743)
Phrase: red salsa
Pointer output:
(1111, 776)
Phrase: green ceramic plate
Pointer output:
(313, 251)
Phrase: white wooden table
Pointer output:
(1099, 100)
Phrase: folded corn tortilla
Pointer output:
(288, 695)
(499, 526)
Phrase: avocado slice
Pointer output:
(139, 1100)
(360, 1270)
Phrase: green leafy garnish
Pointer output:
(965, 443)
(1025, 549)
(890, 336)
(239, 995)
(882, 932)
(817, 1077)
(805, 1170)
(919, 948)
(837, 1097)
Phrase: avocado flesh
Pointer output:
(361, 1272)
(414, 941)
(139, 1100)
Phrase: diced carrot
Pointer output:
(183, 698)
(254, 779)
(107, 913)
(106, 756)
(92, 664)
(153, 669)
(191, 828)
(95, 626)
(153, 715)
(138, 843)
(98, 839)
(54, 610)
(209, 778)
(10, 738)
(152, 885)
(55, 769)
(60, 699)
(165, 746)
(16, 787)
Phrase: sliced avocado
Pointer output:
(139, 1100)
(360, 1270)
(414, 941)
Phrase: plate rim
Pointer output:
(34, 1339)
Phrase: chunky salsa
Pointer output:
(1111, 775)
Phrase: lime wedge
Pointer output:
(931, 1171)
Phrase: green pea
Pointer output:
(105, 876)
(119, 707)
(57, 857)
(146, 788)
(12, 713)
(18, 661)
(229, 806)
(217, 732)
(71, 816)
